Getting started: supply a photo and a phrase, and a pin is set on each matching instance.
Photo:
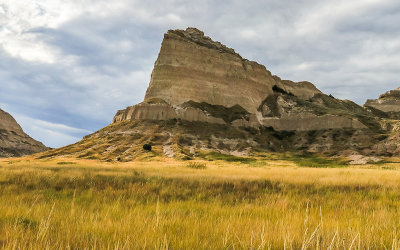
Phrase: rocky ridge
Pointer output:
(388, 103)
(193, 71)
(204, 97)
(14, 141)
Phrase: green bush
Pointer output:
(65, 163)
(147, 147)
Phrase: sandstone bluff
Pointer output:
(13, 140)
(192, 71)
(204, 97)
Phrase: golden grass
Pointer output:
(70, 203)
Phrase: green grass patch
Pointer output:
(214, 156)
(258, 164)
(315, 161)
(381, 162)
(26, 223)
(388, 168)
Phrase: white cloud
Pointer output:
(77, 62)
(323, 16)
(174, 18)
(23, 48)
(17, 19)
(249, 34)
(20, 17)
(53, 134)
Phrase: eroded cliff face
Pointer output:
(192, 68)
(13, 140)
(204, 97)
(388, 102)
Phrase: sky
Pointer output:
(66, 67)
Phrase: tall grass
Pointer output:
(314, 161)
(158, 206)
(211, 156)
(196, 165)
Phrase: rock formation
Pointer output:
(203, 96)
(192, 67)
(194, 76)
(13, 140)
(388, 103)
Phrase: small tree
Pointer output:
(147, 147)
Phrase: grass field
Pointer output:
(259, 204)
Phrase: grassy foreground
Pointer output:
(71, 204)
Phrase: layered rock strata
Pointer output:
(388, 102)
(192, 68)
(13, 140)
(205, 98)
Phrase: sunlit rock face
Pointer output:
(198, 79)
(13, 140)
(387, 102)
(192, 67)
(203, 96)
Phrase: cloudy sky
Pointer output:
(66, 67)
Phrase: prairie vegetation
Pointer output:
(259, 204)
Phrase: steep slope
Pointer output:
(195, 79)
(387, 107)
(13, 140)
(192, 67)
(204, 97)
(388, 104)
(123, 141)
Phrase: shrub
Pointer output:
(65, 163)
(147, 147)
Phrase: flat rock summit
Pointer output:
(14, 141)
(204, 97)
(388, 103)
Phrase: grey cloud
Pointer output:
(105, 60)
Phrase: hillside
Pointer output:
(14, 141)
(204, 97)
